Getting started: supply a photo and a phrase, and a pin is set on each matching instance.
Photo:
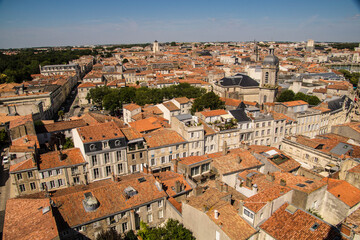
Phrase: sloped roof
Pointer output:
(24, 219)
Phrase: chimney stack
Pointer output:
(238, 159)
(225, 149)
(176, 163)
(216, 214)
(177, 186)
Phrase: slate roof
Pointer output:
(238, 80)
(240, 115)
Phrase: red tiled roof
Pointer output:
(259, 200)
(169, 178)
(145, 125)
(131, 133)
(110, 196)
(70, 157)
(24, 165)
(171, 106)
(101, 131)
(295, 103)
(284, 225)
(193, 159)
(213, 113)
(163, 137)
(24, 219)
(131, 107)
(343, 190)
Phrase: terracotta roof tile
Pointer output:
(64, 125)
(101, 131)
(24, 165)
(163, 137)
(193, 159)
(171, 106)
(109, 194)
(24, 219)
(146, 125)
(131, 107)
(284, 225)
(259, 200)
(213, 113)
(169, 178)
(229, 220)
(131, 133)
(70, 157)
(295, 103)
(343, 190)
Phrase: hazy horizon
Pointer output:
(43, 23)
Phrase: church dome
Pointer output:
(271, 59)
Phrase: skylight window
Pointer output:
(315, 226)
(309, 181)
(300, 185)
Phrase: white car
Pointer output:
(5, 159)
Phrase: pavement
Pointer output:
(4, 190)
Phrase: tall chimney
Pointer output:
(176, 163)
(238, 159)
(224, 150)
(177, 186)
(216, 214)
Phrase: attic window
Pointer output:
(141, 180)
(300, 185)
(309, 181)
(92, 147)
(315, 226)
(320, 146)
(115, 134)
(129, 192)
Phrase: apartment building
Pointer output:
(52, 171)
(103, 147)
(192, 130)
(163, 146)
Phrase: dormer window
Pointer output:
(92, 147)
(105, 144)
(117, 143)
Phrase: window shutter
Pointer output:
(56, 183)
(48, 185)
(46, 174)
(54, 172)
(108, 221)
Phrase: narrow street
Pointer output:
(4, 193)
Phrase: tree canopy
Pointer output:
(351, 77)
(286, 96)
(112, 99)
(208, 100)
(289, 95)
(19, 67)
(173, 230)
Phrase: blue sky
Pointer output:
(35, 23)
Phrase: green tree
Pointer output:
(125, 61)
(110, 234)
(68, 143)
(61, 114)
(208, 100)
(173, 44)
(97, 94)
(313, 100)
(351, 77)
(286, 96)
(300, 96)
(172, 230)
